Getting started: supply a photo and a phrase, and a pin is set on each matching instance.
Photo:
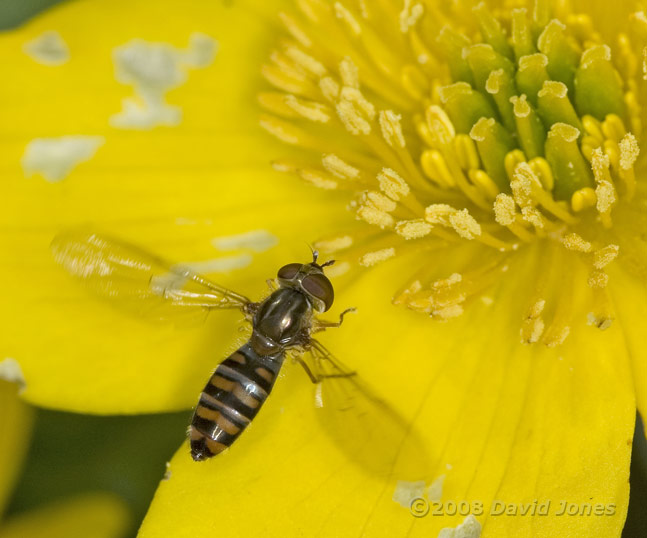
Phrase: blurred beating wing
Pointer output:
(139, 281)
(364, 426)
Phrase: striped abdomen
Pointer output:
(231, 399)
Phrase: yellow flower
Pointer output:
(489, 155)
(95, 514)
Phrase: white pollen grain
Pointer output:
(219, 265)
(55, 158)
(470, 528)
(405, 492)
(48, 49)
(435, 490)
(256, 240)
(11, 371)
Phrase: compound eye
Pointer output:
(289, 271)
(318, 285)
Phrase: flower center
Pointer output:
(462, 129)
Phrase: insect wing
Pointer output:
(363, 425)
(139, 281)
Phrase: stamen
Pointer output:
(339, 168)
(392, 184)
(373, 258)
(522, 137)
(413, 229)
(391, 128)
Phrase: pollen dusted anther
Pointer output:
(516, 138)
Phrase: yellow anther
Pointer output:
(413, 229)
(613, 127)
(391, 128)
(629, 151)
(353, 95)
(533, 216)
(557, 336)
(295, 30)
(318, 178)
(434, 166)
(583, 199)
(588, 145)
(284, 131)
(606, 197)
(451, 280)
(439, 214)
(484, 183)
(593, 128)
(334, 245)
(378, 201)
(347, 17)
(306, 61)
(402, 296)
(375, 217)
(466, 152)
(447, 312)
(464, 224)
(352, 120)
(414, 81)
(373, 258)
(598, 279)
(604, 256)
(533, 325)
(521, 184)
(576, 243)
(329, 88)
(441, 127)
(349, 73)
(505, 210)
(410, 15)
(339, 168)
(274, 102)
(600, 322)
(392, 184)
(310, 110)
(512, 160)
(543, 171)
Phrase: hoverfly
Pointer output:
(281, 323)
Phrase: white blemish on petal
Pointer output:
(48, 49)
(54, 158)
(220, 265)
(435, 490)
(10, 371)
(202, 50)
(153, 69)
(405, 492)
(470, 528)
(256, 240)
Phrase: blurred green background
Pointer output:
(72, 454)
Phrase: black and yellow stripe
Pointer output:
(231, 399)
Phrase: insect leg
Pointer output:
(319, 325)
(312, 377)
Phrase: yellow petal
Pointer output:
(15, 430)
(171, 190)
(95, 515)
(500, 421)
(630, 297)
